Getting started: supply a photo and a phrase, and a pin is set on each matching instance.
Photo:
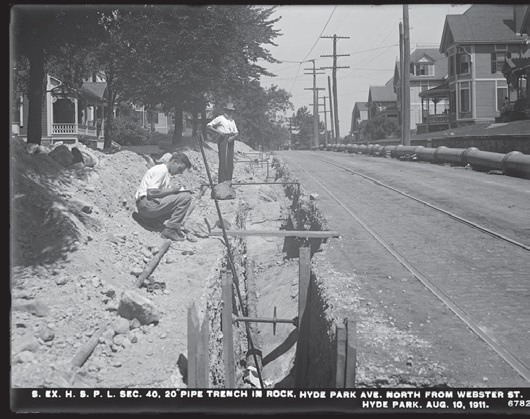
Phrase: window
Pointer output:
(498, 58)
(464, 63)
(522, 87)
(465, 99)
(152, 117)
(452, 102)
(502, 92)
(420, 69)
(451, 65)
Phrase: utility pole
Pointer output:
(406, 77)
(325, 118)
(315, 102)
(401, 81)
(335, 67)
(333, 138)
(325, 122)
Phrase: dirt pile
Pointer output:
(76, 250)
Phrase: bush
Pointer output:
(127, 131)
(156, 138)
(380, 127)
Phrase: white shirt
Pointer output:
(157, 177)
(223, 125)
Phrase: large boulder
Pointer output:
(135, 306)
(62, 155)
(224, 190)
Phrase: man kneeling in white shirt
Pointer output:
(156, 199)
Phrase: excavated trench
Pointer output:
(266, 287)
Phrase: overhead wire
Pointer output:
(298, 70)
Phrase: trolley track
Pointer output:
(466, 295)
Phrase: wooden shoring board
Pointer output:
(255, 183)
(351, 353)
(203, 355)
(228, 332)
(346, 361)
(193, 342)
(279, 233)
(302, 344)
(340, 368)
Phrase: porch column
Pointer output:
(102, 130)
(76, 117)
(49, 105)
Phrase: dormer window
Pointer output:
(422, 67)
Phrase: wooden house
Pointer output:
(477, 44)
(428, 70)
(67, 114)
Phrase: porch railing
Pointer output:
(73, 129)
(64, 129)
(87, 130)
(437, 119)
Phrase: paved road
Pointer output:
(485, 279)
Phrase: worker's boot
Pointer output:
(173, 234)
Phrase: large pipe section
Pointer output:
(513, 163)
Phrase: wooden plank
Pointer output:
(84, 352)
(203, 355)
(340, 367)
(193, 342)
(278, 233)
(152, 264)
(228, 333)
(351, 353)
(254, 183)
(302, 345)
(254, 359)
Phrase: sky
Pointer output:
(373, 48)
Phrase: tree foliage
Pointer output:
(256, 114)
(176, 57)
(304, 121)
(380, 127)
(42, 33)
(208, 52)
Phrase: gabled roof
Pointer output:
(362, 106)
(94, 90)
(481, 23)
(382, 94)
(432, 54)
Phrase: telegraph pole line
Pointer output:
(325, 123)
(406, 77)
(315, 102)
(325, 118)
(401, 81)
(335, 67)
(333, 138)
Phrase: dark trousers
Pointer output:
(171, 208)
(226, 159)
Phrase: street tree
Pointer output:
(209, 52)
(256, 110)
(304, 121)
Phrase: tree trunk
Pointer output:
(203, 125)
(107, 144)
(36, 95)
(177, 134)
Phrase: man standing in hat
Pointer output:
(225, 127)
(158, 201)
